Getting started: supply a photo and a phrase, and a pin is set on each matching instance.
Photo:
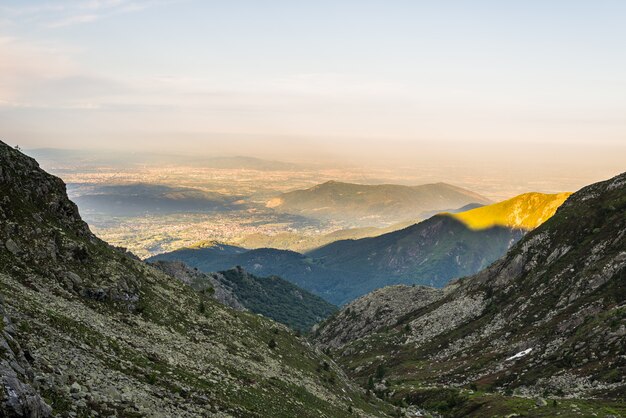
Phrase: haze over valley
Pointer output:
(154, 203)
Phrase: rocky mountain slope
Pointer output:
(375, 311)
(213, 284)
(372, 205)
(546, 320)
(271, 296)
(88, 330)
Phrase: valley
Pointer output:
(152, 203)
(431, 252)
(533, 313)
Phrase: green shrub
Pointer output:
(272, 344)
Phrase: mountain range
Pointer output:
(304, 243)
(546, 320)
(145, 199)
(431, 252)
(373, 205)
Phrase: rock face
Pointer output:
(88, 330)
(221, 290)
(549, 318)
(18, 398)
(373, 312)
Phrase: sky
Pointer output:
(379, 81)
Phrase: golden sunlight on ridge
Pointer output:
(526, 211)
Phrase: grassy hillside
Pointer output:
(271, 296)
(278, 299)
(526, 211)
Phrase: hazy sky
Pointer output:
(492, 80)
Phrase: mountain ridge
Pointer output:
(372, 205)
(547, 319)
(526, 211)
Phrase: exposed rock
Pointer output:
(12, 247)
(222, 290)
(372, 312)
(18, 397)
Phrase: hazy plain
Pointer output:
(153, 203)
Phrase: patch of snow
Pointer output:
(520, 354)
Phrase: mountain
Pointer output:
(61, 159)
(526, 211)
(546, 320)
(431, 252)
(302, 243)
(88, 330)
(271, 296)
(140, 199)
(297, 268)
(372, 205)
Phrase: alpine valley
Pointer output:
(513, 308)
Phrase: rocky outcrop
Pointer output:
(373, 312)
(271, 296)
(18, 397)
(219, 287)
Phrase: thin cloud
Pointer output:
(73, 20)
(69, 13)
